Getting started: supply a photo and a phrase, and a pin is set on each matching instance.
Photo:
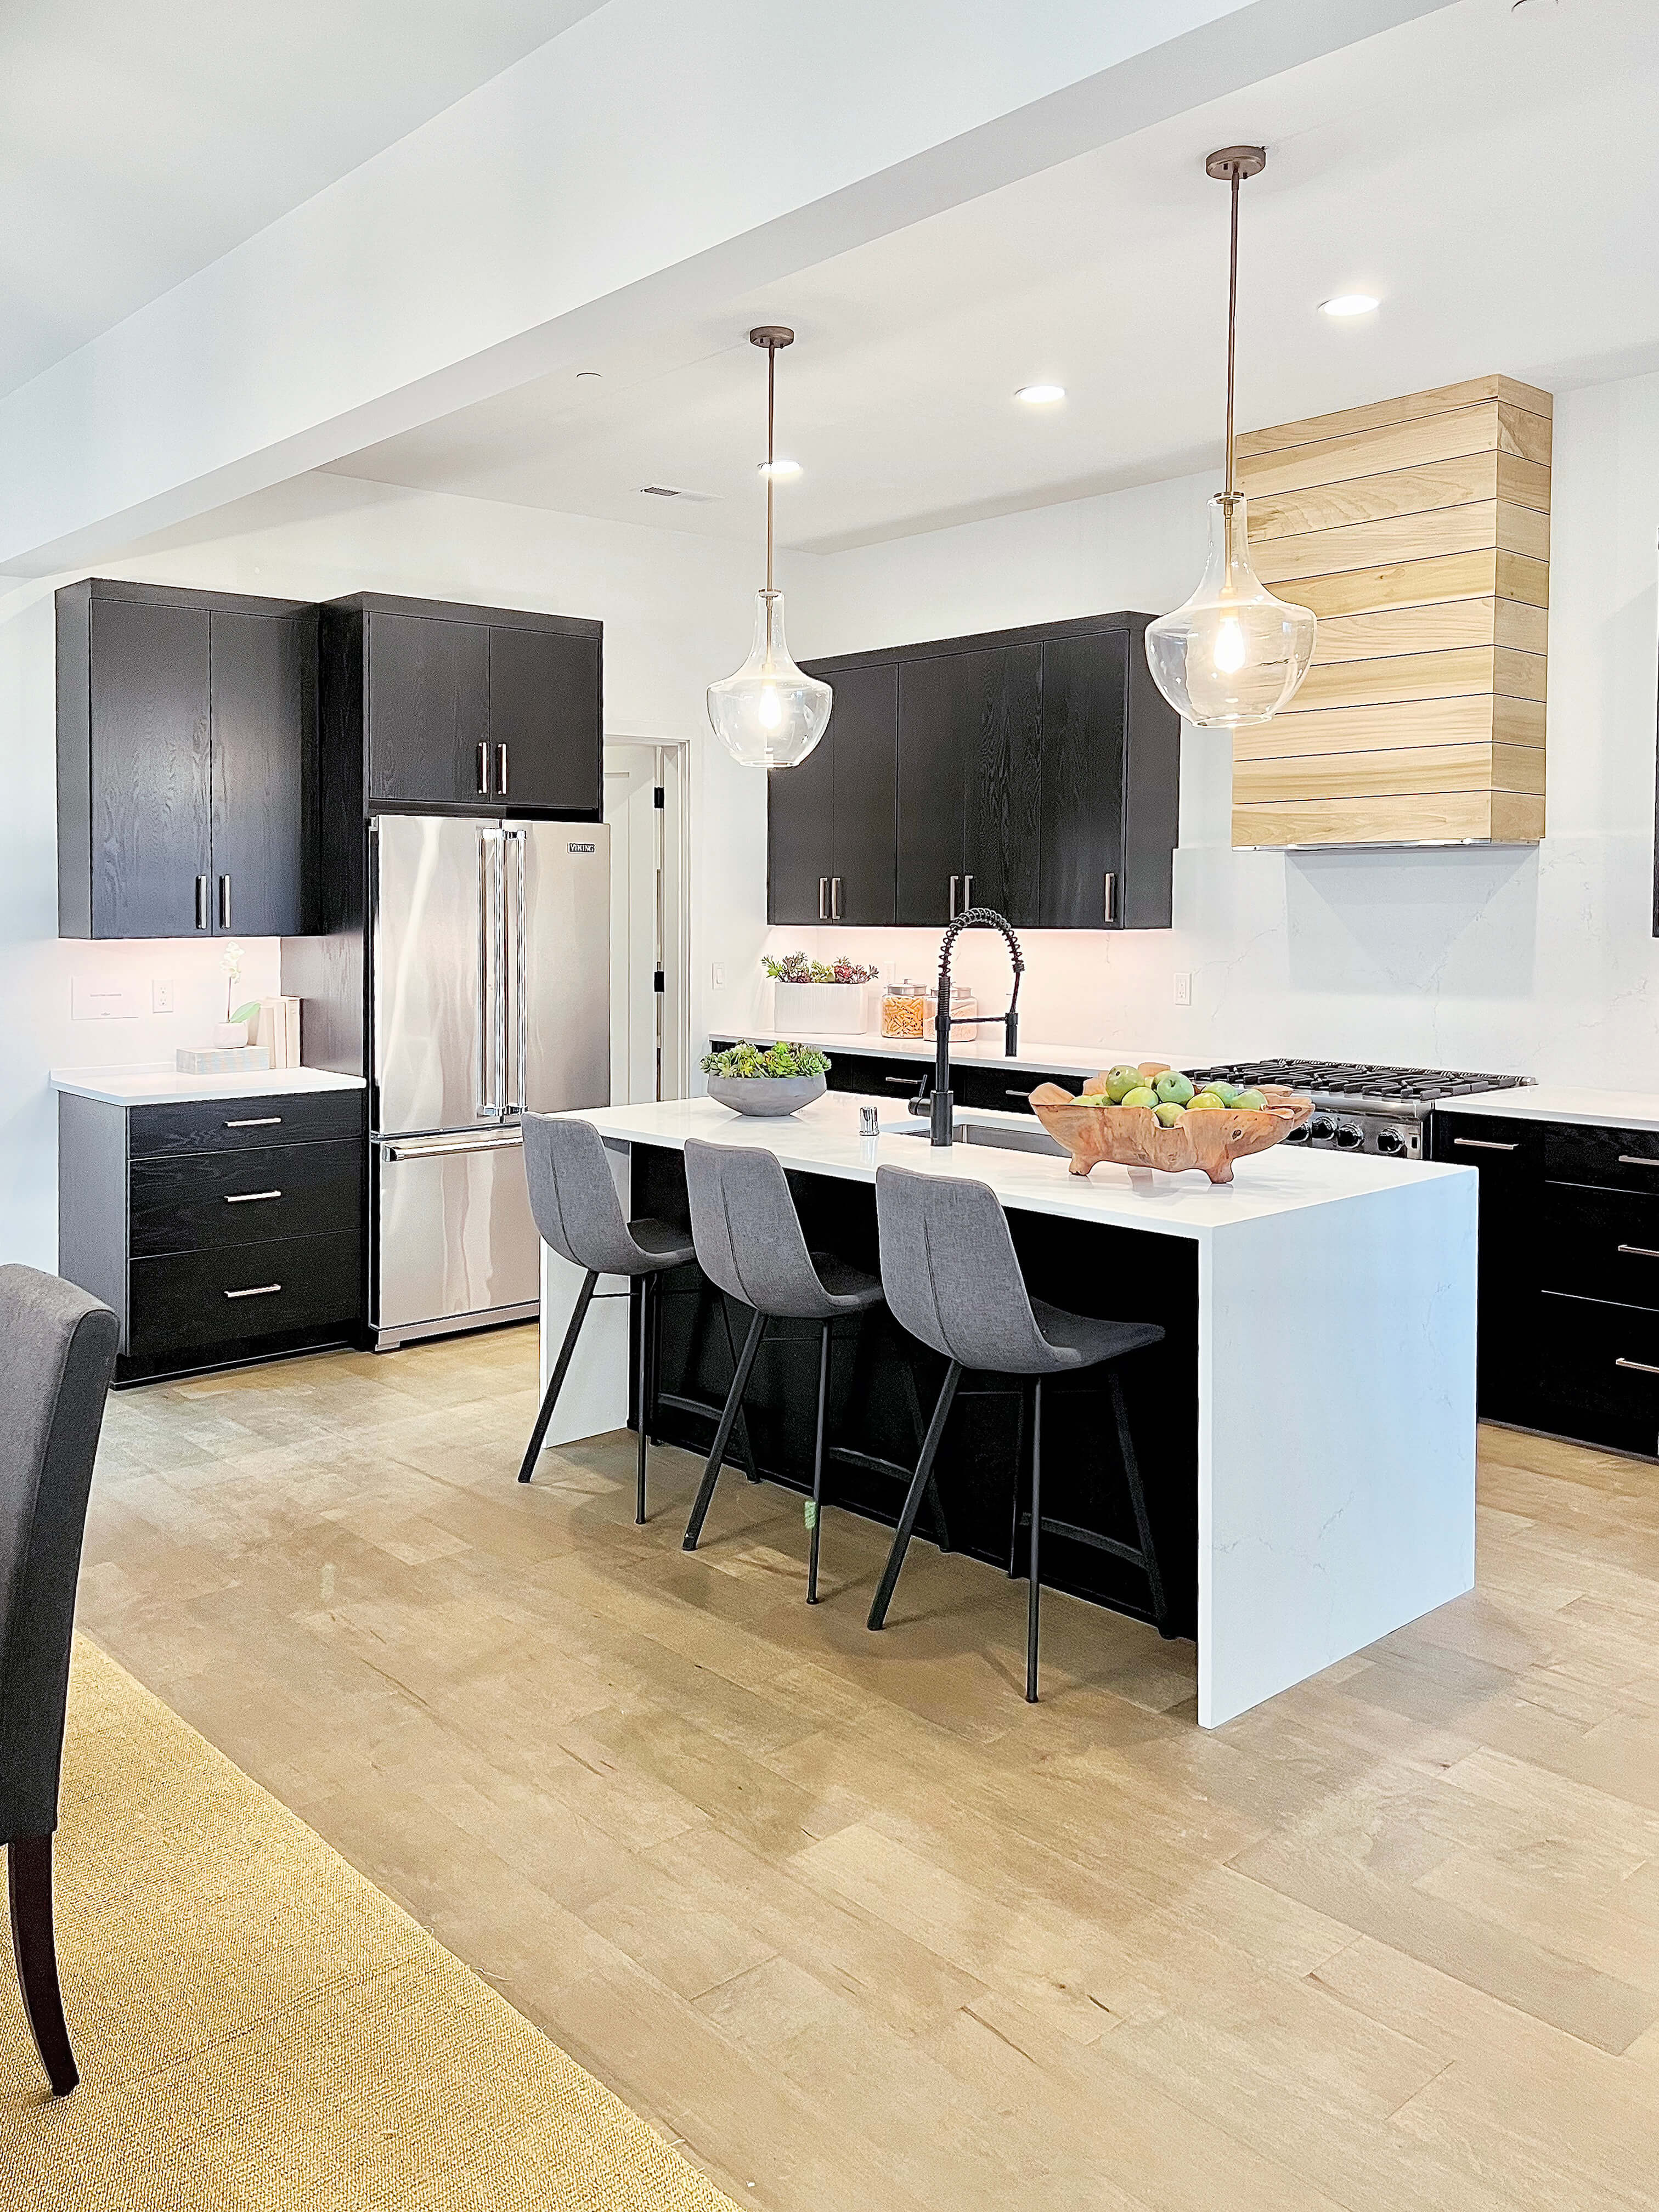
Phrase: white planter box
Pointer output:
(818, 1009)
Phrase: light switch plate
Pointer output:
(100, 999)
(1184, 987)
(717, 975)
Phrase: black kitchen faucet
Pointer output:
(975, 917)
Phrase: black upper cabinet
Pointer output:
(544, 732)
(182, 722)
(428, 710)
(830, 821)
(262, 686)
(1036, 771)
(428, 706)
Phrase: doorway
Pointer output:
(644, 805)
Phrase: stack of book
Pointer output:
(278, 1030)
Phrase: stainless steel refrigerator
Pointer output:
(489, 996)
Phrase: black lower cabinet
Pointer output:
(219, 1232)
(883, 1384)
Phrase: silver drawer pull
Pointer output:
(259, 1291)
(1633, 1160)
(907, 1082)
(1016, 1094)
(1487, 1145)
(1640, 1251)
(250, 1197)
(1637, 1366)
(260, 1121)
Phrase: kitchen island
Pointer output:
(1306, 1429)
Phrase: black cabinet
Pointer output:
(1508, 1155)
(1036, 771)
(183, 724)
(218, 1231)
(830, 822)
(429, 707)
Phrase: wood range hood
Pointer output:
(1418, 530)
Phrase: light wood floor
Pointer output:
(843, 1914)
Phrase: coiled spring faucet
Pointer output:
(975, 917)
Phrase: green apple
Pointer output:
(1207, 1101)
(1169, 1111)
(1121, 1082)
(1250, 1101)
(1226, 1092)
(1172, 1087)
(1143, 1095)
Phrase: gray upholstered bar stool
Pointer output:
(952, 1277)
(749, 1244)
(577, 1210)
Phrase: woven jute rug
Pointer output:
(259, 2026)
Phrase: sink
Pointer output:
(1000, 1138)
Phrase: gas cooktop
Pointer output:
(1359, 1107)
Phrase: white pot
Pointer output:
(230, 1034)
(818, 1009)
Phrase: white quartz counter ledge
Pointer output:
(1545, 1102)
(158, 1084)
(1336, 1365)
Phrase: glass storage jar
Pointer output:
(904, 1011)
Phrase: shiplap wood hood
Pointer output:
(1418, 530)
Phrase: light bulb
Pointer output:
(1234, 655)
(770, 714)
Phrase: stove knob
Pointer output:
(1320, 1130)
(1349, 1136)
(1298, 1136)
(1391, 1143)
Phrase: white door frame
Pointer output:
(674, 762)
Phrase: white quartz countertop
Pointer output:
(156, 1084)
(824, 1139)
(1560, 1102)
(965, 1051)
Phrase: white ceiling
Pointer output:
(1489, 173)
(141, 139)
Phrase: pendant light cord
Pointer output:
(1232, 321)
(771, 412)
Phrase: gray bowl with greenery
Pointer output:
(765, 1079)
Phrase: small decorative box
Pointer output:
(223, 1060)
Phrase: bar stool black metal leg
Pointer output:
(642, 1419)
(1019, 1485)
(935, 1503)
(919, 1482)
(729, 1413)
(560, 1367)
(814, 1511)
(1034, 1591)
(1138, 1499)
(654, 1287)
(742, 1431)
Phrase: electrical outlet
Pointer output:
(1184, 987)
(717, 975)
(161, 996)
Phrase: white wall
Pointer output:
(1537, 960)
(677, 610)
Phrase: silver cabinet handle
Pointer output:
(483, 770)
(258, 1291)
(954, 880)
(1487, 1145)
(1634, 1160)
(967, 893)
(1640, 1251)
(439, 1148)
(1016, 1094)
(201, 902)
(835, 898)
(1108, 897)
(249, 1197)
(224, 902)
(1637, 1366)
(824, 898)
(258, 1122)
(500, 771)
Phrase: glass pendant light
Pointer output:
(770, 714)
(1233, 654)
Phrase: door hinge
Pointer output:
(660, 797)
(659, 981)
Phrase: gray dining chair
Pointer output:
(750, 1245)
(57, 1355)
(953, 1278)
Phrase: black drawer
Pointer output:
(1601, 1244)
(1495, 1145)
(871, 1078)
(1006, 1088)
(222, 1125)
(188, 1307)
(1598, 1373)
(1617, 1159)
(202, 1200)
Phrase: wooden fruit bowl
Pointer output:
(1133, 1137)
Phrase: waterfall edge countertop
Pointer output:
(156, 1084)
(1331, 1393)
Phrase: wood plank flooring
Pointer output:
(844, 1917)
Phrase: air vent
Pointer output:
(660, 491)
(679, 491)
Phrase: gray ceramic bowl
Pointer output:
(766, 1094)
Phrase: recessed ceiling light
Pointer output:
(1041, 395)
(1348, 303)
(780, 468)
(589, 376)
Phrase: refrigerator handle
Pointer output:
(516, 979)
(486, 1060)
